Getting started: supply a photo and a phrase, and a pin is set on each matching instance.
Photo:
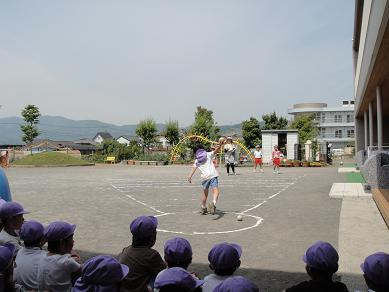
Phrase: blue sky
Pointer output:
(123, 61)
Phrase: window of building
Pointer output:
(352, 102)
(345, 102)
(323, 117)
(323, 132)
(338, 118)
(350, 133)
(338, 134)
(349, 119)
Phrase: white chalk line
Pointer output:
(259, 220)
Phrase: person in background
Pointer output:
(229, 156)
(101, 274)
(224, 260)
(321, 261)
(28, 257)
(11, 214)
(59, 265)
(376, 271)
(144, 262)
(258, 158)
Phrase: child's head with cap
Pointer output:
(376, 271)
(176, 280)
(101, 273)
(236, 284)
(178, 252)
(201, 156)
(32, 233)
(144, 231)
(59, 235)
(224, 258)
(321, 260)
(11, 214)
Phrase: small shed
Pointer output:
(286, 141)
(100, 137)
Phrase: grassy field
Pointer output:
(52, 159)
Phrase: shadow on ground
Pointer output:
(267, 280)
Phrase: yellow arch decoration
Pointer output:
(204, 139)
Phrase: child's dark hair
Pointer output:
(34, 243)
(144, 241)
(55, 246)
(226, 272)
(177, 288)
(184, 264)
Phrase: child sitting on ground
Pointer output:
(11, 214)
(177, 280)
(28, 257)
(224, 259)
(59, 266)
(376, 271)
(178, 253)
(102, 274)
(144, 262)
(321, 264)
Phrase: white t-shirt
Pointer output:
(55, 271)
(26, 267)
(207, 169)
(5, 237)
(258, 154)
(211, 281)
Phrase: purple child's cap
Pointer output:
(103, 270)
(201, 155)
(11, 209)
(236, 284)
(31, 230)
(7, 253)
(144, 226)
(58, 230)
(322, 256)
(225, 255)
(177, 276)
(376, 268)
(178, 250)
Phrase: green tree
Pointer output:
(251, 132)
(307, 127)
(146, 130)
(172, 132)
(272, 122)
(120, 151)
(30, 130)
(204, 124)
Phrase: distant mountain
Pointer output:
(60, 128)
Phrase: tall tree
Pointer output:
(272, 122)
(307, 127)
(204, 124)
(30, 130)
(172, 132)
(146, 130)
(251, 132)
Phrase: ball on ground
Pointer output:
(239, 218)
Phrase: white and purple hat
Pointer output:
(59, 230)
(236, 284)
(201, 156)
(179, 277)
(11, 209)
(100, 274)
(376, 269)
(31, 230)
(322, 256)
(178, 250)
(144, 226)
(7, 253)
(225, 255)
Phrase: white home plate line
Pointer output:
(258, 219)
